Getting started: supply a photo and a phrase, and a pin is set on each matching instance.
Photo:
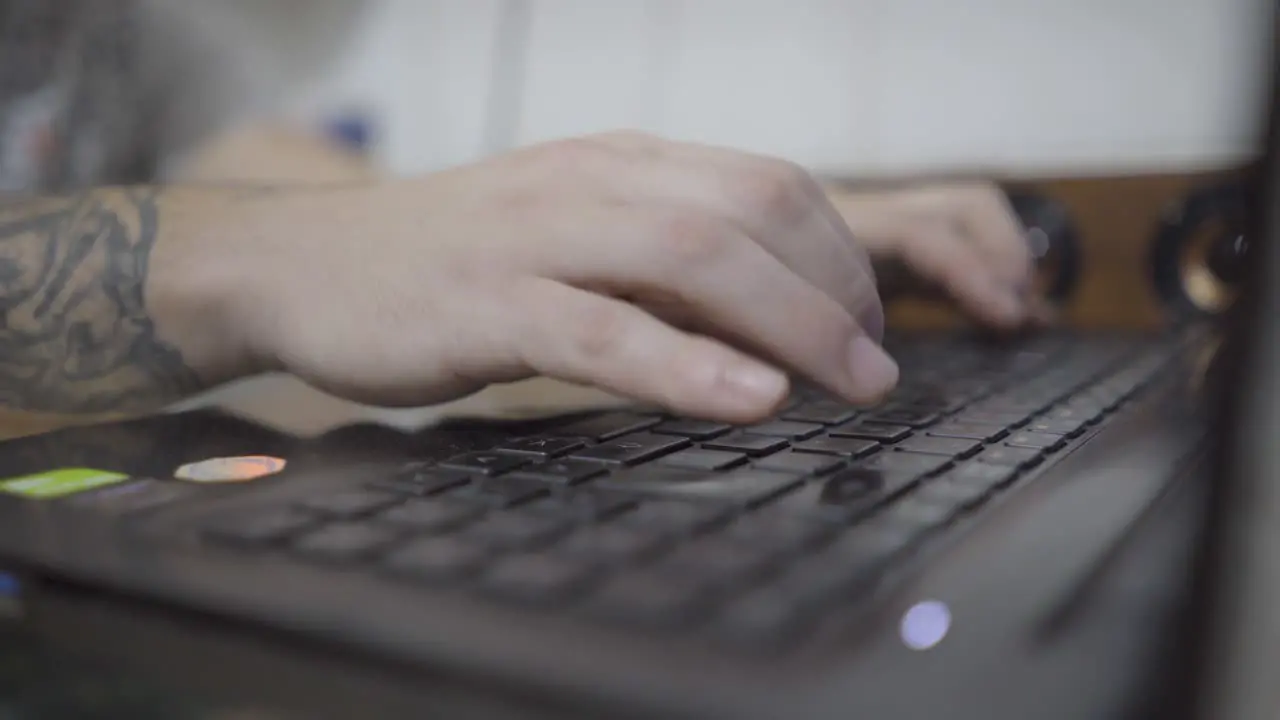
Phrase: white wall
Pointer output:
(852, 86)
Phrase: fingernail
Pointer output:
(755, 384)
(874, 373)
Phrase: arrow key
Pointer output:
(632, 449)
(485, 463)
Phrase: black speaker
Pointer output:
(1198, 251)
(1054, 239)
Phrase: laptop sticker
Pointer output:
(215, 471)
(60, 483)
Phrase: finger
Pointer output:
(937, 253)
(986, 217)
(730, 288)
(776, 203)
(585, 338)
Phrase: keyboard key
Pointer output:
(1003, 419)
(485, 463)
(980, 475)
(872, 431)
(746, 443)
(786, 429)
(709, 460)
(1069, 428)
(949, 447)
(903, 417)
(746, 486)
(692, 429)
(1014, 404)
(261, 527)
(1036, 440)
(610, 543)
(823, 412)
(960, 496)
(800, 463)
(344, 542)
(845, 447)
(913, 464)
(1087, 416)
(535, 578)
(561, 472)
(649, 599)
(846, 494)
(1009, 456)
(423, 480)
(430, 516)
(501, 492)
(435, 559)
(514, 530)
(350, 504)
(608, 426)
(969, 431)
(921, 515)
(585, 506)
(675, 517)
(631, 449)
(541, 446)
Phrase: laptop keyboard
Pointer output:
(747, 534)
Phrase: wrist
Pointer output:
(203, 286)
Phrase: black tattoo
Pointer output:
(75, 334)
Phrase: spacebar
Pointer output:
(748, 486)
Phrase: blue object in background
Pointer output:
(354, 130)
(9, 585)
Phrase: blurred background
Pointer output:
(850, 87)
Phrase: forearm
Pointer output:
(114, 301)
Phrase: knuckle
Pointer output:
(777, 190)
(579, 155)
(693, 240)
(600, 331)
(925, 233)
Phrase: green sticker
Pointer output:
(60, 483)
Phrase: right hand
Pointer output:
(675, 274)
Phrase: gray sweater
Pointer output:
(116, 91)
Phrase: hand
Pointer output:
(681, 275)
(963, 238)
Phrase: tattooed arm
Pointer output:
(84, 327)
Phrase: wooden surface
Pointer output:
(1115, 216)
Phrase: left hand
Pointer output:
(962, 237)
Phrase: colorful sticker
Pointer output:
(245, 468)
(60, 483)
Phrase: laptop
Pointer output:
(1044, 528)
